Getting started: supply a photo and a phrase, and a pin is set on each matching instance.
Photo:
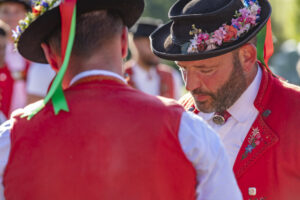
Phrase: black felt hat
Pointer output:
(172, 40)
(29, 43)
(145, 26)
(26, 3)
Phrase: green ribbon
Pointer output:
(56, 93)
(261, 38)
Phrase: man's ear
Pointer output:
(248, 56)
(50, 56)
(124, 42)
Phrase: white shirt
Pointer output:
(2, 117)
(199, 143)
(243, 114)
(39, 78)
(149, 81)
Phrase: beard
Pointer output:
(227, 94)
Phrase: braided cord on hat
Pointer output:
(68, 15)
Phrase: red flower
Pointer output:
(231, 33)
(257, 142)
(201, 46)
(36, 10)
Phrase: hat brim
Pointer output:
(29, 44)
(163, 46)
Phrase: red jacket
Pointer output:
(6, 90)
(7, 80)
(115, 143)
(268, 167)
(167, 87)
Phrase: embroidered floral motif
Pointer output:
(40, 8)
(254, 140)
(243, 20)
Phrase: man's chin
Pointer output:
(204, 107)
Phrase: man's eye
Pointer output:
(206, 71)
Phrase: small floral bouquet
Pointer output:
(243, 21)
(40, 8)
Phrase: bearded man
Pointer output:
(254, 112)
(100, 138)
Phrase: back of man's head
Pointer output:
(94, 31)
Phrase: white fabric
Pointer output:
(204, 149)
(200, 144)
(15, 63)
(39, 78)
(2, 117)
(4, 151)
(95, 73)
(243, 114)
(143, 82)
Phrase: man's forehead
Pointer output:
(206, 62)
(199, 63)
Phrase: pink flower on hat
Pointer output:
(243, 20)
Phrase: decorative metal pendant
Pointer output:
(219, 119)
(252, 191)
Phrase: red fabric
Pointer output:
(6, 90)
(66, 12)
(6, 87)
(166, 81)
(268, 48)
(273, 165)
(167, 88)
(115, 143)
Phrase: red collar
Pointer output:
(98, 78)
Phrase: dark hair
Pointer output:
(93, 30)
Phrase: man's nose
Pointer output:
(192, 81)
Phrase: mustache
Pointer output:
(199, 91)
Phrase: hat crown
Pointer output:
(204, 6)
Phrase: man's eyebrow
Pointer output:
(198, 66)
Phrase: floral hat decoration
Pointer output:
(46, 17)
(200, 29)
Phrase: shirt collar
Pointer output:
(95, 73)
(245, 104)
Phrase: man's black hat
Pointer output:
(29, 42)
(26, 3)
(145, 26)
(181, 39)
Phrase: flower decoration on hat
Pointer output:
(244, 19)
(39, 9)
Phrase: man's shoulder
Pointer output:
(283, 91)
(187, 101)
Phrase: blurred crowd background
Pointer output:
(22, 82)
